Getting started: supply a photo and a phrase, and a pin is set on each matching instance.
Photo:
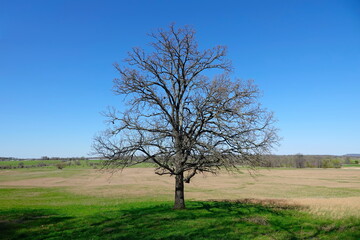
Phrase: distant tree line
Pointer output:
(49, 158)
(307, 161)
(58, 163)
(271, 161)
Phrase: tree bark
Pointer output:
(179, 192)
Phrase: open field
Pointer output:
(84, 203)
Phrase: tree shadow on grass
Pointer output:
(28, 224)
(218, 220)
(201, 220)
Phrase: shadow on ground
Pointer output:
(26, 224)
(201, 220)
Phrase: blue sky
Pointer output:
(56, 66)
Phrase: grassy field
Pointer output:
(351, 165)
(84, 203)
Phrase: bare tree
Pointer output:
(347, 160)
(299, 161)
(178, 118)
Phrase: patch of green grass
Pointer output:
(52, 164)
(351, 165)
(46, 164)
(54, 213)
(28, 162)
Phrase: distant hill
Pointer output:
(352, 155)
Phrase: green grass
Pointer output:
(55, 213)
(28, 162)
(47, 164)
(59, 213)
(351, 165)
(52, 164)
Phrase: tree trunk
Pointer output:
(179, 192)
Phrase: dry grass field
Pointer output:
(330, 192)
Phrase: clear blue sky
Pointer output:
(56, 66)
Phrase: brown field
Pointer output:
(332, 192)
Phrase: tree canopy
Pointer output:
(179, 118)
